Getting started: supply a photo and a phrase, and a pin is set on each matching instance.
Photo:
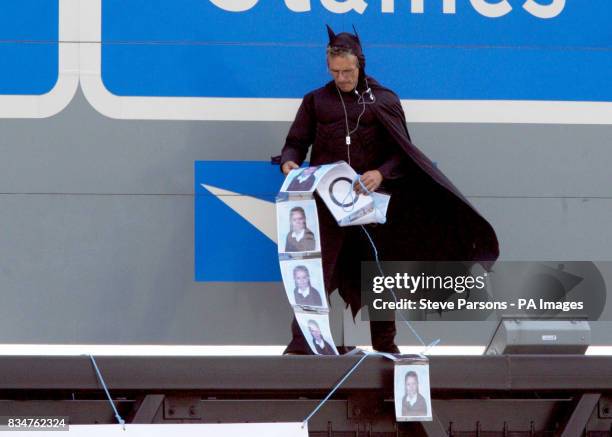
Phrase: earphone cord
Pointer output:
(348, 131)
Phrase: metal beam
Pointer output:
(576, 425)
(308, 375)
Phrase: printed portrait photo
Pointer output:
(412, 393)
(298, 226)
(303, 281)
(315, 328)
(305, 179)
(301, 180)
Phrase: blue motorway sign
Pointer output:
(28, 46)
(229, 246)
(423, 49)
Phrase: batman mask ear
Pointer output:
(331, 34)
(356, 35)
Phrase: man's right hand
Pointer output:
(288, 166)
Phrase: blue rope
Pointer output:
(117, 416)
(333, 390)
(375, 250)
(349, 194)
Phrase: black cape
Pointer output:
(469, 236)
(428, 218)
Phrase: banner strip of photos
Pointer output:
(299, 253)
(299, 246)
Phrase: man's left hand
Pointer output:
(371, 179)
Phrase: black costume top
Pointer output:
(320, 121)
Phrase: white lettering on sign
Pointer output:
(544, 11)
(298, 5)
(491, 10)
(418, 6)
(486, 8)
(342, 7)
(234, 5)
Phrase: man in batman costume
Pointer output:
(355, 119)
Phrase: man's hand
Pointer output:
(371, 179)
(288, 166)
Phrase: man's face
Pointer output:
(297, 221)
(344, 70)
(302, 280)
(315, 332)
(412, 386)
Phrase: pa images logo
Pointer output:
(235, 221)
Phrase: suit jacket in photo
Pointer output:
(305, 185)
(418, 409)
(307, 243)
(313, 299)
(325, 350)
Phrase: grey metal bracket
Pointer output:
(576, 424)
(148, 408)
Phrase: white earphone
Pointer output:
(361, 100)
